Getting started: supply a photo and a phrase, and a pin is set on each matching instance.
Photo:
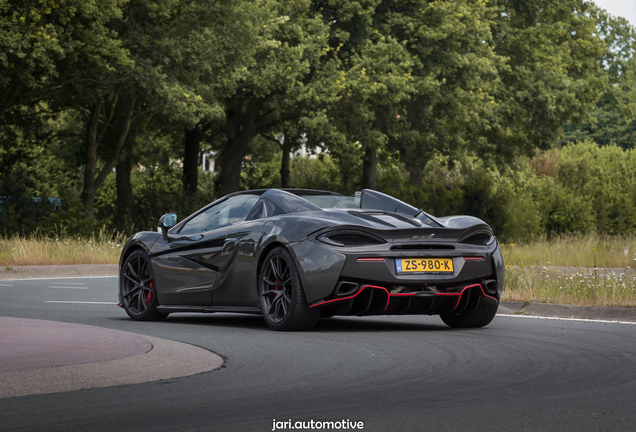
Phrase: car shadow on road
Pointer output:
(330, 325)
(378, 324)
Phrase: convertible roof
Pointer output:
(295, 191)
(287, 199)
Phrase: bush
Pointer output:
(534, 199)
(315, 173)
(604, 176)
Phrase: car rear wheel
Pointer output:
(281, 292)
(481, 316)
(137, 287)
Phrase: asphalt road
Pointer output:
(394, 374)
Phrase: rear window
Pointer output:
(333, 201)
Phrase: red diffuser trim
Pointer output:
(389, 295)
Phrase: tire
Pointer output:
(283, 301)
(137, 290)
(481, 316)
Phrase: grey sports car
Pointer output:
(296, 255)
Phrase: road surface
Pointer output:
(407, 373)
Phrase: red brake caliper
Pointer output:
(149, 296)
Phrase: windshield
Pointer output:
(225, 213)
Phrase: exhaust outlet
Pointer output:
(490, 286)
(346, 288)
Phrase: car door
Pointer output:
(188, 265)
(184, 270)
(236, 285)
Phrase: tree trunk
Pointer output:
(191, 160)
(9, 96)
(285, 172)
(125, 200)
(232, 164)
(240, 129)
(91, 183)
(88, 191)
(369, 168)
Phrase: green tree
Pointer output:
(170, 45)
(456, 75)
(364, 83)
(613, 119)
(266, 88)
(45, 44)
(552, 76)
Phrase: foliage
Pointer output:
(580, 189)
(553, 73)
(606, 178)
(261, 168)
(45, 44)
(613, 119)
(156, 191)
(434, 102)
(455, 76)
(316, 173)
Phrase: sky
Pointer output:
(622, 8)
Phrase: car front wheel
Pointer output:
(137, 288)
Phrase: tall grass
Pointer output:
(590, 250)
(585, 287)
(103, 247)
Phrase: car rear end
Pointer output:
(395, 265)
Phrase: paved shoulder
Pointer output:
(38, 356)
(627, 314)
(37, 272)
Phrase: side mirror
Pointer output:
(166, 222)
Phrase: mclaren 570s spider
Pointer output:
(295, 255)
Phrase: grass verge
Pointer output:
(590, 250)
(565, 286)
(102, 248)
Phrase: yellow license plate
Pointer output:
(424, 265)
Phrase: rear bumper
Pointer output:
(323, 266)
(377, 300)
(384, 273)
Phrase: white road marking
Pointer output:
(68, 287)
(80, 302)
(569, 319)
(5, 285)
(74, 283)
(65, 277)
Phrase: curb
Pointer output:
(568, 311)
(166, 360)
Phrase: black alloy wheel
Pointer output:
(282, 296)
(137, 287)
